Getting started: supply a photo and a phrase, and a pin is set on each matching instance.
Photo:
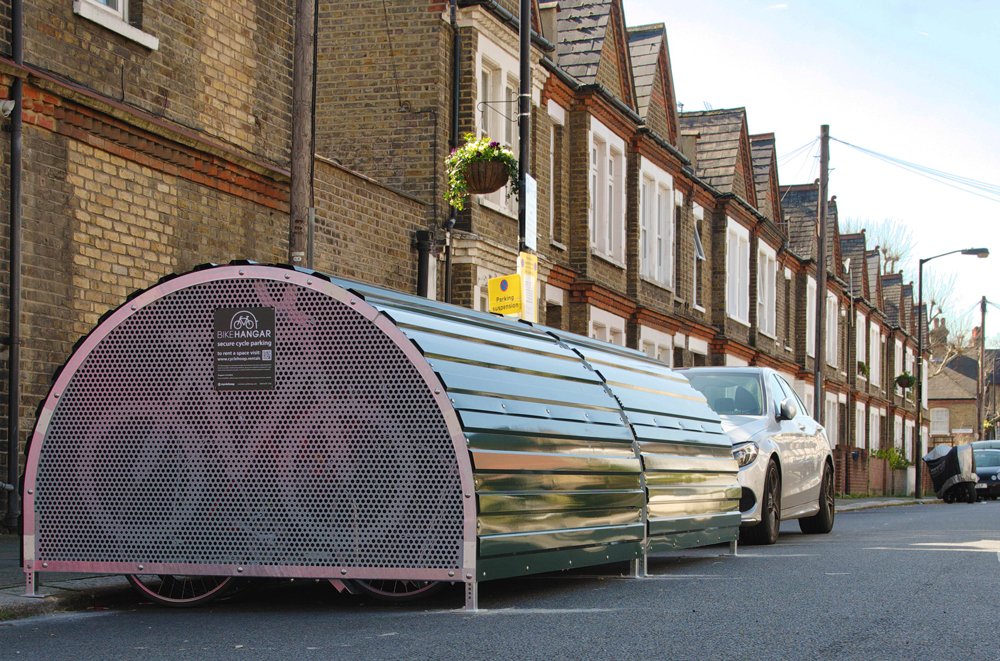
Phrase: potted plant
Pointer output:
(863, 368)
(905, 380)
(479, 166)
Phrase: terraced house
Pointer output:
(150, 137)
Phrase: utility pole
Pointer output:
(981, 372)
(524, 120)
(303, 73)
(820, 352)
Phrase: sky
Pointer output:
(914, 80)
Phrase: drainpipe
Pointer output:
(14, 356)
(423, 242)
(456, 73)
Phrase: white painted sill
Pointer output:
(110, 21)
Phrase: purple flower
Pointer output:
(494, 144)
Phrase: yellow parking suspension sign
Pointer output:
(505, 294)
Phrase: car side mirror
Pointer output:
(788, 409)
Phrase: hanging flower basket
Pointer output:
(478, 167)
(905, 380)
(484, 177)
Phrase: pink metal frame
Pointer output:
(465, 574)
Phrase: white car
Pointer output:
(786, 466)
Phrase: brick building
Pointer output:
(158, 136)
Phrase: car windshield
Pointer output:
(729, 393)
(987, 458)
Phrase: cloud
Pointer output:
(780, 5)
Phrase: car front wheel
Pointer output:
(822, 522)
(766, 532)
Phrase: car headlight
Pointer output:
(746, 453)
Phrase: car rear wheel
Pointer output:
(822, 522)
(766, 532)
(395, 589)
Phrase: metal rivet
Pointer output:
(502, 405)
(469, 576)
(309, 282)
(468, 495)
(133, 307)
(353, 302)
(343, 572)
(56, 395)
(527, 568)
(45, 564)
(141, 567)
(546, 410)
(239, 569)
(451, 573)
(241, 271)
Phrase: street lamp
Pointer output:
(978, 252)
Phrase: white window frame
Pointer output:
(832, 329)
(859, 425)
(606, 326)
(557, 117)
(737, 272)
(940, 421)
(909, 432)
(898, 363)
(811, 316)
(767, 290)
(875, 349)
(657, 345)
(861, 341)
(874, 430)
(656, 225)
(607, 193)
(897, 431)
(699, 258)
(830, 420)
(113, 15)
(498, 74)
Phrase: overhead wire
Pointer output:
(981, 189)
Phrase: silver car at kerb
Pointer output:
(786, 467)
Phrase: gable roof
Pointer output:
(723, 150)
(852, 247)
(765, 175)
(593, 46)
(950, 384)
(654, 85)
(892, 292)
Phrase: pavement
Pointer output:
(73, 592)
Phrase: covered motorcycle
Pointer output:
(953, 472)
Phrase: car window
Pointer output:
(790, 392)
(779, 394)
(730, 393)
(987, 458)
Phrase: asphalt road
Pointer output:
(917, 582)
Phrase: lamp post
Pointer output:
(978, 252)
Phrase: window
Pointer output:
(738, 272)
(940, 422)
(811, 317)
(861, 333)
(656, 344)
(830, 420)
(607, 327)
(897, 432)
(873, 430)
(875, 367)
(699, 257)
(832, 329)
(677, 234)
(788, 308)
(908, 435)
(898, 362)
(497, 106)
(766, 290)
(607, 193)
(656, 205)
(859, 425)
(114, 15)
(556, 205)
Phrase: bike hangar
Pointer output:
(248, 420)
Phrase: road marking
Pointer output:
(838, 573)
(778, 555)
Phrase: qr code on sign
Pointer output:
(265, 354)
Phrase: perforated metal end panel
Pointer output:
(346, 460)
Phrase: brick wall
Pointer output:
(223, 67)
